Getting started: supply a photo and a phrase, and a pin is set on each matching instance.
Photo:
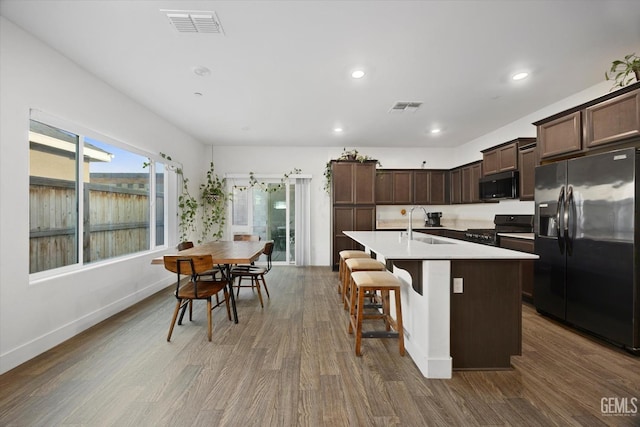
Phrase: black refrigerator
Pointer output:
(586, 234)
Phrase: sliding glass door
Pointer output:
(266, 210)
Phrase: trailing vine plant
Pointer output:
(212, 203)
(253, 182)
(214, 198)
(346, 155)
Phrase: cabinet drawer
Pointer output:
(522, 245)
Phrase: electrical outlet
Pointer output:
(457, 285)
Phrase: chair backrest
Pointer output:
(246, 237)
(188, 266)
(185, 245)
(268, 251)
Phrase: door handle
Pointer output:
(569, 220)
(560, 214)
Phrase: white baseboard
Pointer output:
(37, 346)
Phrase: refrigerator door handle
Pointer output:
(560, 215)
(569, 220)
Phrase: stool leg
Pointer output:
(346, 285)
(359, 315)
(399, 327)
(340, 275)
(386, 309)
(352, 306)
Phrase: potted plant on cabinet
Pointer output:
(622, 72)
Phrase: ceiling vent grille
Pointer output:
(185, 21)
(405, 107)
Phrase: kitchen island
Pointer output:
(461, 301)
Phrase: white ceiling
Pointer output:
(280, 74)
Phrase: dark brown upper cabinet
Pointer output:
(527, 160)
(600, 124)
(430, 187)
(501, 158)
(613, 120)
(394, 187)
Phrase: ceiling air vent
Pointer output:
(405, 107)
(185, 21)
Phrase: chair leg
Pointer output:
(209, 319)
(184, 309)
(190, 310)
(256, 284)
(264, 283)
(173, 320)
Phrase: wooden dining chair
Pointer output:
(214, 272)
(254, 273)
(195, 288)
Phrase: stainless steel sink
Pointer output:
(431, 240)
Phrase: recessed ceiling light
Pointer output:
(338, 130)
(357, 74)
(436, 130)
(520, 76)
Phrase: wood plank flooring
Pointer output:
(293, 364)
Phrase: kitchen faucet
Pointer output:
(410, 230)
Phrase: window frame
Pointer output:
(83, 132)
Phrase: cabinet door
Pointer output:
(456, 186)
(466, 185)
(364, 218)
(476, 174)
(342, 183)
(403, 187)
(342, 221)
(613, 120)
(437, 187)
(508, 158)
(526, 266)
(364, 183)
(560, 136)
(490, 162)
(384, 187)
(421, 187)
(527, 173)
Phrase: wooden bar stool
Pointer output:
(368, 282)
(357, 264)
(345, 255)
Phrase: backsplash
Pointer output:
(462, 217)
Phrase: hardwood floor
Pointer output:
(293, 363)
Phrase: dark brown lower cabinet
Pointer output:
(486, 318)
(522, 245)
(347, 218)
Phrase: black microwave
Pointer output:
(503, 185)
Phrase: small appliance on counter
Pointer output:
(433, 219)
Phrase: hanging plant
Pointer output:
(214, 200)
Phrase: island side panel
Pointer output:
(486, 318)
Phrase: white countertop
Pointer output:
(390, 245)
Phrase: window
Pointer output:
(90, 198)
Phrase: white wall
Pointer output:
(37, 316)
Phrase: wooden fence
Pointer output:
(116, 222)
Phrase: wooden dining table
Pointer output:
(225, 254)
